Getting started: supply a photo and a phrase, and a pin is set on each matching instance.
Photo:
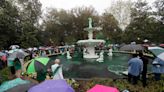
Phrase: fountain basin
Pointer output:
(89, 50)
(90, 42)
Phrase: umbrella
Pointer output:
(11, 51)
(2, 54)
(156, 50)
(10, 84)
(52, 86)
(30, 49)
(132, 47)
(37, 64)
(101, 88)
(22, 87)
(18, 54)
(161, 45)
(161, 56)
(14, 46)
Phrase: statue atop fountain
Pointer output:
(90, 43)
(110, 52)
(68, 55)
(101, 57)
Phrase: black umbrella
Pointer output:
(132, 47)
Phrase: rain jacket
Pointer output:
(158, 66)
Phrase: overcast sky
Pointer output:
(99, 5)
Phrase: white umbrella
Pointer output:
(158, 52)
(35, 49)
(20, 54)
(161, 56)
(30, 49)
(14, 47)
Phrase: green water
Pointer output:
(77, 67)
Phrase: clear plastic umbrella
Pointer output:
(157, 51)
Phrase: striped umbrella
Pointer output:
(37, 64)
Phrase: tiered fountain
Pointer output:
(90, 43)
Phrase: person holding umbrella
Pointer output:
(17, 66)
(158, 63)
(144, 72)
(158, 68)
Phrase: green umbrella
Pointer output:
(37, 64)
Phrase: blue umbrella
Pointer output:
(52, 86)
(2, 54)
(22, 87)
(12, 83)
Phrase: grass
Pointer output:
(4, 75)
(121, 84)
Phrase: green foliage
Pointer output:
(4, 75)
(67, 26)
(143, 25)
(8, 23)
(111, 30)
(121, 84)
(19, 25)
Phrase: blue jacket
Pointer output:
(158, 66)
(135, 66)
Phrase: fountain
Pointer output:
(101, 58)
(68, 55)
(90, 43)
(93, 65)
(110, 52)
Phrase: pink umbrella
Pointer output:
(101, 88)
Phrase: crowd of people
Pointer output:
(16, 65)
(137, 66)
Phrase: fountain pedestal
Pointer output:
(89, 50)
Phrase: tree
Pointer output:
(81, 15)
(142, 25)
(111, 31)
(58, 24)
(8, 24)
(68, 26)
(159, 15)
(159, 5)
(29, 15)
(121, 10)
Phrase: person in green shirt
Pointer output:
(17, 66)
